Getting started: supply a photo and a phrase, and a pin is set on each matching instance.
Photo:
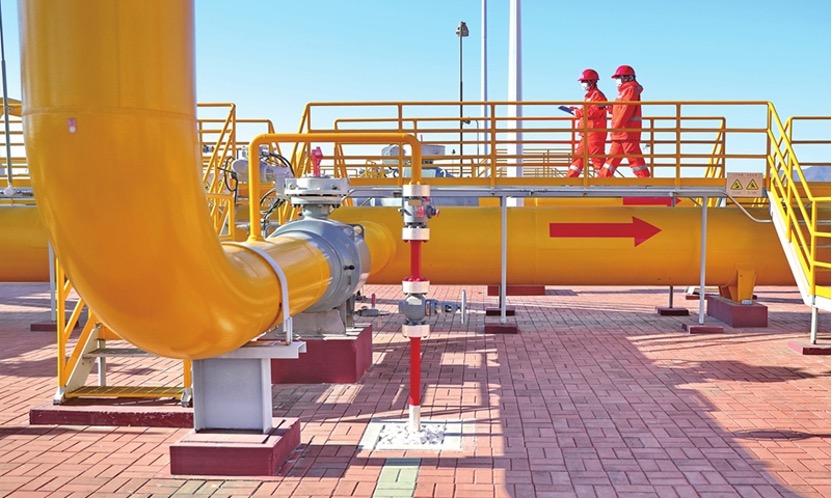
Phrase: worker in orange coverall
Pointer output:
(590, 116)
(626, 126)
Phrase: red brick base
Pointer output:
(495, 311)
(500, 328)
(702, 329)
(807, 349)
(518, 290)
(227, 453)
(113, 413)
(673, 311)
(328, 361)
(736, 314)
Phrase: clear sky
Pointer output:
(271, 57)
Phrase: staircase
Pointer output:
(800, 210)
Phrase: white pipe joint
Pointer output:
(413, 331)
(415, 286)
(411, 190)
(415, 233)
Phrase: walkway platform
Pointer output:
(597, 395)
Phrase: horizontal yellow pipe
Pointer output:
(111, 139)
(24, 253)
(464, 247)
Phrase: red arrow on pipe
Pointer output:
(638, 229)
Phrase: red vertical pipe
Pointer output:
(415, 260)
(415, 342)
(415, 370)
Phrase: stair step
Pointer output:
(126, 392)
(106, 352)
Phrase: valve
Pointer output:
(417, 211)
(435, 307)
(317, 156)
(416, 308)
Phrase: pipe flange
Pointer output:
(411, 190)
(413, 331)
(316, 190)
(415, 286)
(415, 233)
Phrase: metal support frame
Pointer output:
(234, 391)
(505, 192)
(53, 299)
(702, 253)
(503, 256)
(670, 294)
(813, 329)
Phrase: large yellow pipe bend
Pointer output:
(110, 123)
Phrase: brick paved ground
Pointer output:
(597, 396)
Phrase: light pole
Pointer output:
(461, 32)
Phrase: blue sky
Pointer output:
(272, 57)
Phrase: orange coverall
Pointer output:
(590, 116)
(626, 134)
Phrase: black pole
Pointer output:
(10, 187)
(460, 100)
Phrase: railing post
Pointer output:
(493, 120)
(678, 180)
(812, 224)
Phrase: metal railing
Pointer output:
(19, 174)
(803, 207)
(683, 143)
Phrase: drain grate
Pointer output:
(438, 435)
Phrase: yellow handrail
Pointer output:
(795, 201)
(683, 141)
(322, 137)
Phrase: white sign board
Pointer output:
(744, 184)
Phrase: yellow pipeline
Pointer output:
(24, 254)
(111, 138)
(464, 247)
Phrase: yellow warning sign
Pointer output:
(744, 184)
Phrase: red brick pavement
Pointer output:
(597, 396)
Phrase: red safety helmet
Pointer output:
(624, 71)
(589, 75)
